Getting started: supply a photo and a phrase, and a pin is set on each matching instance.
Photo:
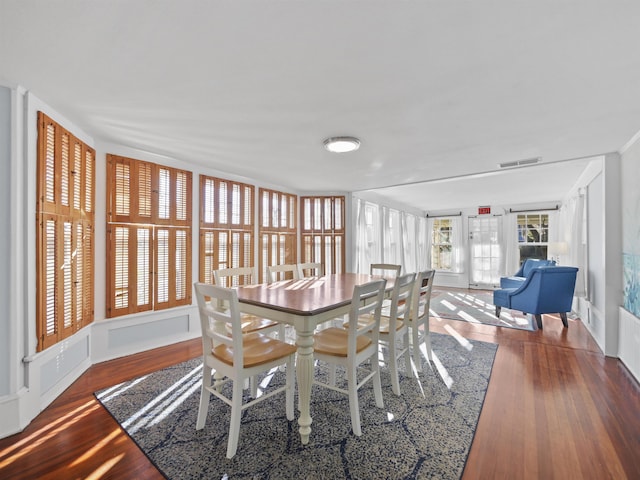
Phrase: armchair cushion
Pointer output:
(523, 272)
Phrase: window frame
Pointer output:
(543, 229)
(147, 208)
(220, 239)
(438, 265)
(322, 219)
(277, 242)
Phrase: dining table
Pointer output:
(304, 303)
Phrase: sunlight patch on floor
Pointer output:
(459, 338)
(104, 468)
(166, 402)
(444, 374)
(33, 441)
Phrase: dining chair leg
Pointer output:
(253, 384)
(236, 415)
(377, 383)
(354, 407)
(393, 369)
(205, 395)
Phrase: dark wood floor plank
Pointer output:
(555, 408)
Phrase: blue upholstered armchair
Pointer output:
(546, 290)
(525, 270)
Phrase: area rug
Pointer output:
(475, 306)
(426, 432)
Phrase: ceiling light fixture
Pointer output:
(342, 144)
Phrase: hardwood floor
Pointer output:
(555, 408)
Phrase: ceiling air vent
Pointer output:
(519, 163)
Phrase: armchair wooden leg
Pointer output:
(563, 316)
(539, 321)
(498, 311)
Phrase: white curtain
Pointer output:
(409, 242)
(368, 236)
(423, 257)
(430, 223)
(555, 234)
(575, 238)
(510, 244)
(392, 237)
(361, 253)
(457, 243)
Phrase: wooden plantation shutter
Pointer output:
(65, 219)
(323, 231)
(148, 236)
(278, 229)
(226, 225)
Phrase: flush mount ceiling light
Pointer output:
(341, 144)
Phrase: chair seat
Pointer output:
(333, 341)
(251, 323)
(258, 349)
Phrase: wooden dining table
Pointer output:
(304, 303)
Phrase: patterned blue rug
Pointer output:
(475, 306)
(424, 433)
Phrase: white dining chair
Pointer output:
(355, 345)
(418, 320)
(282, 272)
(394, 328)
(237, 357)
(310, 269)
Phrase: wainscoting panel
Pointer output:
(117, 337)
(629, 342)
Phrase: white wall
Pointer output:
(599, 311)
(629, 336)
(5, 219)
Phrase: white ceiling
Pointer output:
(433, 89)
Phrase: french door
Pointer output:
(485, 251)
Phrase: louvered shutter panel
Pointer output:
(323, 232)
(226, 225)
(64, 287)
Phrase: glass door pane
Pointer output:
(484, 248)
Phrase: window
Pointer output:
(148, 236)
(533, 235)
(278, 231)
(64, 250)
(226, 225)
(442, 244)
(323, 232)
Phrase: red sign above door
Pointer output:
(484, 210)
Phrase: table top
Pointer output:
(307, 296)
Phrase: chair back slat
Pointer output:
(422, 296)
(385, 269)
(366, 303)
(236, 276)
(277, 273)
(310, 269)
